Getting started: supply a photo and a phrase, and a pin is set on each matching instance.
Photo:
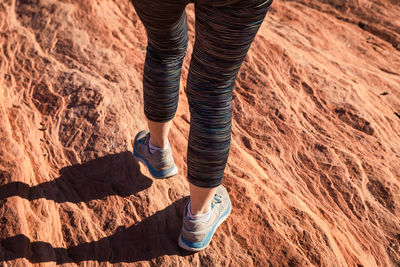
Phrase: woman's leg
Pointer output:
(223, 37)
(166, 27)
(224, 34)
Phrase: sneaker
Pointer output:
(160, 163)
(196, 235)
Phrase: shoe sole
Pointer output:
(186, 247)
(171, 172)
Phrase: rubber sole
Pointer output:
(173, 172)
(186, 247)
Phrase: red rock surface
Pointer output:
(314, 169)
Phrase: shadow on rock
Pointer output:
(151, 238)
(116, 174)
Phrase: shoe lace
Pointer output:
(217, 199)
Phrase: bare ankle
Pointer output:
(199, 210)
(159, 142)
(159, 133)
(200, 199)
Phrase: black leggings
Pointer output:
(225, 30)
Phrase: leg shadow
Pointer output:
(149, 239)
(117, 174)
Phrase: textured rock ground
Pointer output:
(314, 169)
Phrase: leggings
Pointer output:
(225, 30)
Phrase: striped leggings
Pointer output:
(225, 30)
